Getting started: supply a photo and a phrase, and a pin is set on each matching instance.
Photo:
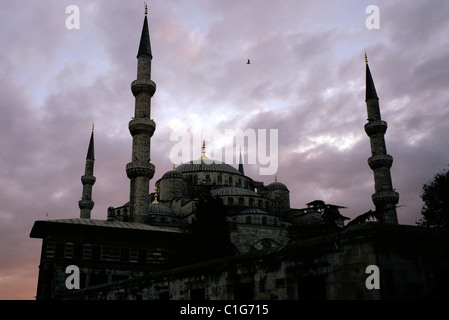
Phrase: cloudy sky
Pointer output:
(306, 80)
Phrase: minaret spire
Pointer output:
(140, 170)
(241, 162)
(88, 180)
(384, 198)
(145, 45)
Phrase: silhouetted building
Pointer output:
(211, 232)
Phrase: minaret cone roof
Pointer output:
(90, 151)
(145, 46)
(370, 88)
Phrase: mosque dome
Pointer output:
(173, 174)
(206, 164)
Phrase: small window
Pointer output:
(133, 255)
(50, 250)
(110, 253)
(87, 251)
(68, 251)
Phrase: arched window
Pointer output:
(195, 179)
(231, 201)
(241, 201)
(251, 202)
(208, 181)
(219, 179)
(264, 220)
(230, 181)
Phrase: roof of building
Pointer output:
(41, 226)
(233, 191)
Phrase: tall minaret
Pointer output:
(141, 127)
(384, 198)
(86, 204)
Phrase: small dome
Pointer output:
(233, 191)
(277, 186)
(159, 209)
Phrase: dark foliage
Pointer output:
(435, 195)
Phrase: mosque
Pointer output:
(208, 231)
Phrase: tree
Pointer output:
(435, 195)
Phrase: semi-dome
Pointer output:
(233, 191)
(253, 211)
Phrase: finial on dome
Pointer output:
(93, 126)
(366, 58)
(275, 178)
(155, 195)
(174, 168)
(146, 9)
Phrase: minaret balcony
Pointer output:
(140, 169)
(142, 125)
(85, 204)
(380, 161)
(143, 85)
(88, 179)
(382, 198)
(375, 127)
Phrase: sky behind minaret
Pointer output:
(306, 79)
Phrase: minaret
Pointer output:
(141, 127)
(86, 204)
(384, 198)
